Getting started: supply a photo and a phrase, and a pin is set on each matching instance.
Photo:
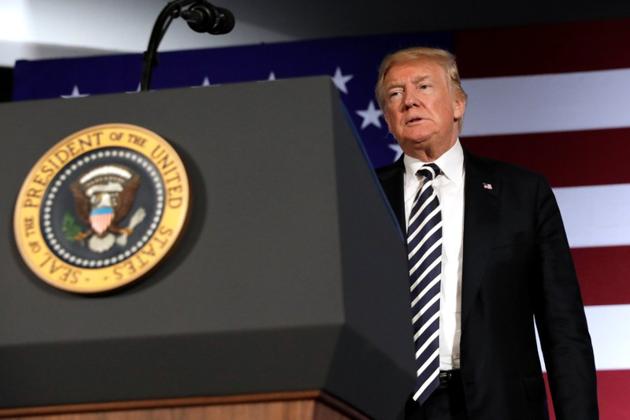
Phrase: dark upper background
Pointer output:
(35, 29)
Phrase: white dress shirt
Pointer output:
(449, 187)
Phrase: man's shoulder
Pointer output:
(501, 169)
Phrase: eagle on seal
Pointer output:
(103, 197)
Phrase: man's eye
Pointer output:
(424, 86)
(394, 94)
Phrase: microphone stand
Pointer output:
(171, 11)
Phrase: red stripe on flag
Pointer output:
(603, 274)
(593, 157)
(612, 392)
(557, 48)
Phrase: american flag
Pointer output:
(552, 98)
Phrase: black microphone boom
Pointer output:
(204, 17)
(201, 17)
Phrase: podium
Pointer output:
(286, 297)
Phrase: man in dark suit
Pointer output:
(489, 259)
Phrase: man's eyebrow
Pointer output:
(399, 83)
(420, 78)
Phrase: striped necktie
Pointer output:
(424, 246)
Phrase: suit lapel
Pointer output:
(392, 183)
(481, 215)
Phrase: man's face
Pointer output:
(421, 108)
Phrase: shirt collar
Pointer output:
(451, 164)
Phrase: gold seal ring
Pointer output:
(101, 208)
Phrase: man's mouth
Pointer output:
(414, 120)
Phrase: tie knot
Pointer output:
(429, 171)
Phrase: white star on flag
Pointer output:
(75, 93)
(396, 148)
(340, 80)
(272, 76)
(138, 89)
(370, 116)
(204, 83)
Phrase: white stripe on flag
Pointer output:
(549, 102)
(610, 333)
(595, 216)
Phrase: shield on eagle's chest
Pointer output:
(101, 218)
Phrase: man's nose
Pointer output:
(410, 101)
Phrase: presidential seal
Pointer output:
(101, 208)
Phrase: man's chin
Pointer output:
(425, 148)
(416, 144)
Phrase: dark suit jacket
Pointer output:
(516, 266)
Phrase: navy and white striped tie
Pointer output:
(424, 246)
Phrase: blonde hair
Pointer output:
(442, 57)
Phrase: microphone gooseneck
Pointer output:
(200, 15)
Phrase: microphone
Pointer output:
(204, 17)
(200, 15)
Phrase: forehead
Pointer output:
(420, 68)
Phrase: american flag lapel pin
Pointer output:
(486, 186)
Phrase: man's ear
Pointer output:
(459, 107)
(385, 117)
